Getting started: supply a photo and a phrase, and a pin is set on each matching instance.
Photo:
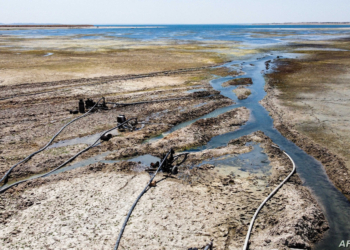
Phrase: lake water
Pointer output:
(246, 34)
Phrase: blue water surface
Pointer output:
(182, 33)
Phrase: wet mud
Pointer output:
(302, 118)
(196, 134)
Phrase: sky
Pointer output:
(172, 11)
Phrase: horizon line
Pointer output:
(257, 23)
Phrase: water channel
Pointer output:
(334, 204)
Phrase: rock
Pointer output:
(297, 242)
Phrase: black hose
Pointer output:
(246, 242)
(178, 156)
(65, 163)
(138, 198)
(48, 144)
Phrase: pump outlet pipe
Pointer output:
(267, 198)
(138, 198)
(48, 144)
(3, 189)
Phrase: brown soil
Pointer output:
(27, 122)
(60, 88)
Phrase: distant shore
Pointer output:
(52, 26)
(83, 26)
(306, 23)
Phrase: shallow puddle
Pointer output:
(143, 160)
(254, 162)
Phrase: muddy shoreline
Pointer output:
(334, 164)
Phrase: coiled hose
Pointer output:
(48, 144)
(267, 198)
(138, 198)
(69, 160)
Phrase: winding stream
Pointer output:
(334, 204)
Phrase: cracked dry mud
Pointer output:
(84, 208)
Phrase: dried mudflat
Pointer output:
(49, 59)
(85, 207)
(308, 99)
